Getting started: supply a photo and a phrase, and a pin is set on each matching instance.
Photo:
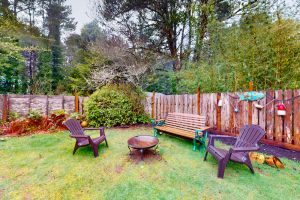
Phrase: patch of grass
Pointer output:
(43, 167)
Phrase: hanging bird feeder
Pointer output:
(281, 109)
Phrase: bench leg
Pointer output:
(155, 132)
(203, 145)
(194, 142)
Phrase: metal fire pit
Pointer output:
(142, 143)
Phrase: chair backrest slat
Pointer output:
(74, 127)
(249, 136)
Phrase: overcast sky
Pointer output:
(81, 11)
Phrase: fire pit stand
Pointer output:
(142, 143)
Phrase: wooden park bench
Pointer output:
(185, 125)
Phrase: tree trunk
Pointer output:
(16, 2)
(202, 27)
(190, 18)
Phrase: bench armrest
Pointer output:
(201, 133)
(157, 122)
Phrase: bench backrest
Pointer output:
(187, 122)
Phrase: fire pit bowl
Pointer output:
(142, 143)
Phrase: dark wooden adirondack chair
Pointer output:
(245, 143)
(82, 140)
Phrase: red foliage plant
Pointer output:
(29, 125)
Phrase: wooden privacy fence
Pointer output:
(233, 114)
(23, 104)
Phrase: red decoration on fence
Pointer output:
(281, 109)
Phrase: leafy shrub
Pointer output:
(77, 116)
(58, 112)
(13, 116)
(115, 105)
(35, 115)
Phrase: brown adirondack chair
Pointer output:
(82, 140)
(245, 143)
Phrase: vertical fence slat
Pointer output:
(270, 109)
(296, 117)
(232, 114)
(262, 112)
(288, 118)
(278, 119)
(225, 112)
(198, 102)
(218, 109)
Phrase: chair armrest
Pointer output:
(78, 136)
(243, 149)
(91, 129)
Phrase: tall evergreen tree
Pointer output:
(57, 19)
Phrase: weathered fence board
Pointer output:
(262, 112)
(270, 109)
(23, 104)
(38, 103)
(278, 119)
(288, 118)
(297, 117)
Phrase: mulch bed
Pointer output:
(268, 149)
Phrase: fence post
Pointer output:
(5, 108)
(29, 104)
(218, 112)
(63, 102)
(47, 105)
(76, 103)
(153, 105)
(198, 101)
(250, 103)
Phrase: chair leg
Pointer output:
(249, 164)
(95, 150)
(106, 143)
(221, 168)
(205, 156)
(75, 148)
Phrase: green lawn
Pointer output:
(43, 167)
